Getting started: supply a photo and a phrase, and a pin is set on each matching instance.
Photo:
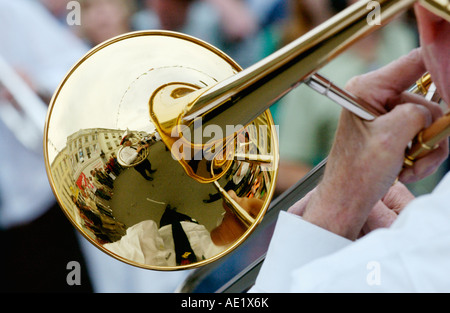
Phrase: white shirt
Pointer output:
(413, 255)
(128, 155)
(145, 243)
(35, 43)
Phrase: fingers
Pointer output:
(385, 211)
(251, 205)
(435, 109)
(397, 197)
(402, 124)
(395, 131)
(426, 165)
(407, 120)
(385, 90)
(386, 84)
(381, 216)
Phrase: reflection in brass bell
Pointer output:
(140, 146)
(135, 181)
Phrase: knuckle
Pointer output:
(383, 142)
(418, 114)
(354, 83)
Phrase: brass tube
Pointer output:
(244, 96)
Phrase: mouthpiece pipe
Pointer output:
(244, 96)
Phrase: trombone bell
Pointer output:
(158, 208)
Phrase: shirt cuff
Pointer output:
(295, 242)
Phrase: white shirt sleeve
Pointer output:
(295, 242)
(410, 256)
(34, 42)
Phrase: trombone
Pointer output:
(215, 149)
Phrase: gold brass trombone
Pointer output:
(211, 150)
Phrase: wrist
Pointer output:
(340, 210)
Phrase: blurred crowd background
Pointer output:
(39, 43)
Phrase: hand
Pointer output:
(367, 157)
(343, 201)
(231, 227)
(385, 211)
(382, 215)
(139, 149)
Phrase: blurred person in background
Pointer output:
(58, 8)
(233, 26)
(307, 119)
(104, 19)
(40, 242)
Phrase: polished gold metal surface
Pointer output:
(422, 85)
(133, 210)
(160, 149)
(262, 84)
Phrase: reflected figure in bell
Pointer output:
(99, 220)
(231, 228)
(130, 153)
(184, 254)
(103, 178)
(178, 240)
(100, 190)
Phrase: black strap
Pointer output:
(183, 251)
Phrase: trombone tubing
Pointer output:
(241, 98)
